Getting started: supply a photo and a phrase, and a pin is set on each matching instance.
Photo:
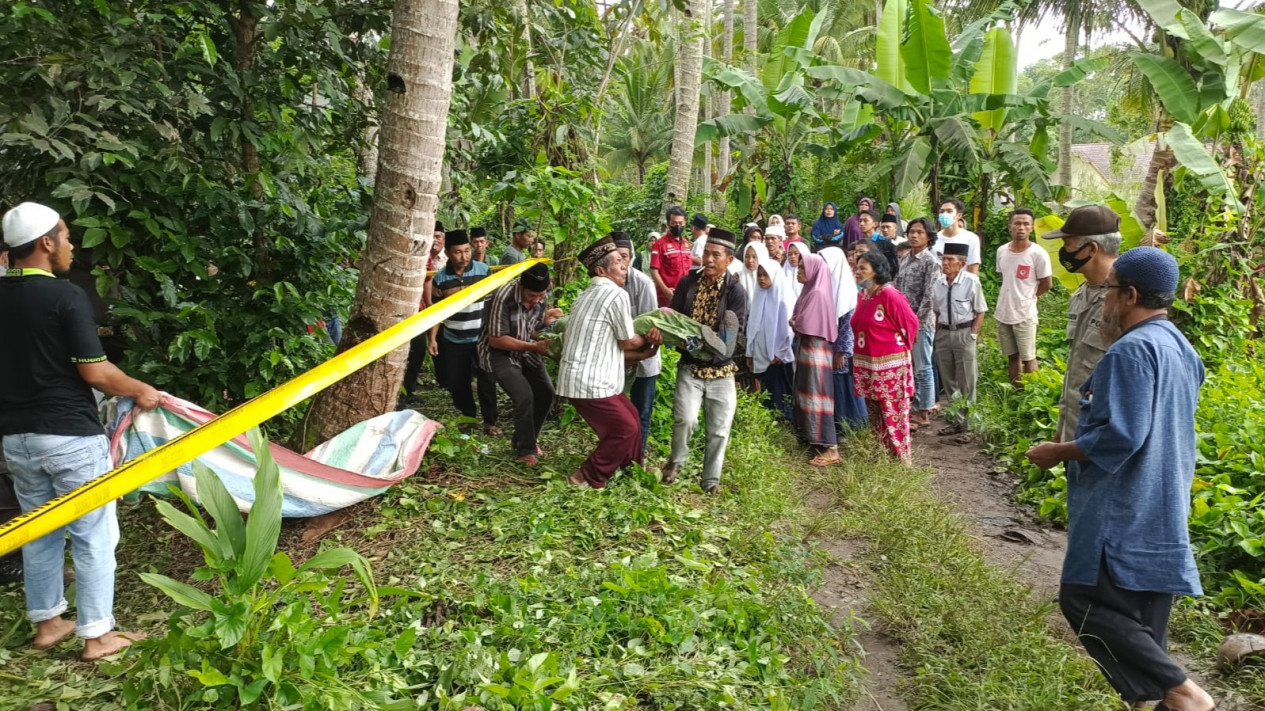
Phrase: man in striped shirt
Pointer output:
(641, 296)
(460, 333)
(600, 338)
(508, 349)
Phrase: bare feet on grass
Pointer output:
(109, 644)
(50, 633)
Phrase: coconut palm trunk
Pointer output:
(750, 38)
(724, 102)
(393, 267)
(1071, 40)
(689, 81)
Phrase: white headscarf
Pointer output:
(749, 276)
(769, 333)
(776, 220)
(845, 283)
(791, 271)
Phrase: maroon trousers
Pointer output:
(618, 426)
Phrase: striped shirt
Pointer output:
(504, 315)
(592, 364)
(641, 296)
(463, 326)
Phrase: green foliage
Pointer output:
(213, 192)
(272, 633)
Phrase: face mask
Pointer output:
(1070, 261)
(676, 230)
(947, 220)
(865, 283)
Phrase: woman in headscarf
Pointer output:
(885, 329)
(816, 328)
(747, 259)
(828, 228)
(850, 413)
(795, 252)
(893, 209)
(770, 342)
(751, 232)
(775, 221)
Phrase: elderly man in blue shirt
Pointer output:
(1129, 473)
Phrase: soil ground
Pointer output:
(1009, 535)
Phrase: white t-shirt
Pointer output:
(696, 250)
(1020, 272)
(966, 237)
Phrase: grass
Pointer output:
(970, 634)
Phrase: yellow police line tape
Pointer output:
(53, 515)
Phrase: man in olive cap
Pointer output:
(517, 249)
(53, 439)
(1129, 471)
(1091, 242)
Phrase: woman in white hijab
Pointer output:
(770, 349)
(795, 252)
(748, 260)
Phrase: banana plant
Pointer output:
(933, 99)
(1202, 80)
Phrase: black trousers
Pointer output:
(460, 363)
(1126, 633)
(530, 389)
(417, 358)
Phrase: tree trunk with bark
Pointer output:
(1071, 38)
(367, 161)
(689, 79)
(1162, 160)
(393, 268)
(724, 102)
(750, 37)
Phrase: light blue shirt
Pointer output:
(1129, 503)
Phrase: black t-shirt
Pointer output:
(47, 328)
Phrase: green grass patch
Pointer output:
(970, 634)
(522, 593)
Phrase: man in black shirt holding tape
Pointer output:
(53, 438)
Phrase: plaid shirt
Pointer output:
(504, 315)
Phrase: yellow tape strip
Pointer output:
(198, 441)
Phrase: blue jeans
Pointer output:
(924, 376)
(644, 390)
(43, 468)
(334, 327)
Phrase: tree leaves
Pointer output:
(1190, 152)
(1172, 83)
(911, 166)
(996, 72)
(928, 57)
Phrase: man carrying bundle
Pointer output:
(599, 339)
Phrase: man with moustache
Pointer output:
(1091, 242)
(1130, 466)
(645, 373)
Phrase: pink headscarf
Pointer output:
(815, 308)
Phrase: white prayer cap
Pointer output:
(28, 221)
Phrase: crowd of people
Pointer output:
(866, 321)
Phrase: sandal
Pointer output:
(493, 431)
(825, 460)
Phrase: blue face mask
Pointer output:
(946, 220)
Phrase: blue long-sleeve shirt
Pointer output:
(1128, 504)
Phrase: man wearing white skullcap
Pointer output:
(53, 439)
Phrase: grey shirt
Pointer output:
(511, 255)
(1085, 347)
(641, 293)
(958, 303)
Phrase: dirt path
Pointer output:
(1007, 534)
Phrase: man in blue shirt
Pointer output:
(1129, 473)
(460, 333)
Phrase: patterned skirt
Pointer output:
(886, 383)
(814, 414)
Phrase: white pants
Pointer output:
(719, 399)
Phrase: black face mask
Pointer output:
(1070, 261)
(676, 230)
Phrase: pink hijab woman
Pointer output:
(816, 326)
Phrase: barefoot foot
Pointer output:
(109, 644)
(50, 633)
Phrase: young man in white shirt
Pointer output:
(952, 232)
(1026, 274)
